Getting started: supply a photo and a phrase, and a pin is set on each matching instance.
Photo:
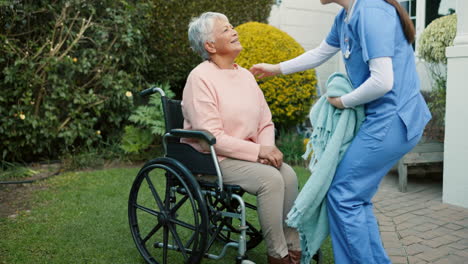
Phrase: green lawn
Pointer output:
(81, 217)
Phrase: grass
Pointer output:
(81, 217)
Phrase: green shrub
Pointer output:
(66, 69)
(289, 96)
(175, 59)
(292, 146)
(148, 124)
(437, 36)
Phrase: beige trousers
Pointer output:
(276, 191)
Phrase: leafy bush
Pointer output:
(289, 96)
(292, 145)
(148, 123)
(437, 36)
(66, 69)
(434, 40)
(175, 59)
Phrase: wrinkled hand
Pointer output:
(264, 161)
(262, 70)
(336, 102)
(272, 154)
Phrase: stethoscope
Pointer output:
(347, 52)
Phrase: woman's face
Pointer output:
(226, 40)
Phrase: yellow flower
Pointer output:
(22, 116)
(75, 59)
(98, 132)
(128, 94)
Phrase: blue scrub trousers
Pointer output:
(353, 227)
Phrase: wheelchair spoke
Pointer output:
(178, 205)
(155, 193)
(183, 224)
(190, 241)
(149, 211)
(151, 233)
(178, 241)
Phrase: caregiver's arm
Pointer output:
(308, 60)
(378, 84)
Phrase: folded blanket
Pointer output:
(333, 131)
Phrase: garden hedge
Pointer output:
(289, 96)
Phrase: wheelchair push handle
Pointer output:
(151, 91)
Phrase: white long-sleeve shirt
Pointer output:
(378, 84)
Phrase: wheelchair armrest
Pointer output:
(205, 135)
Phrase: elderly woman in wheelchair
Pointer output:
(227, 132)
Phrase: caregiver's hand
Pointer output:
(336, 102)
(265, 70)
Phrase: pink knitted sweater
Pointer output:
(230, 105)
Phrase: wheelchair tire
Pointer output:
(167, 213)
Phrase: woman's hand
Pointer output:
(272, 155)
(265, 70)
(336, 102)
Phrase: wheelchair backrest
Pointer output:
(173, 117)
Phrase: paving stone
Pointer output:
(424, 211)
(402, 218)
(458, 246)
(389, 236)
(395, 213)
(409, 240)
(392, 244)
(386, 223)
(436, 242)
(463, 222)
(462, 253)
(396, 251)
(451, 238)
(426, 227)
(405, 225)
(415, 260)
(437, 207)
(398, 260)
(384, 228)
(415, 249)
(432, 255)
(409, 232)
(463, 233)
(428, 235)
(453, 226)
(451, 259)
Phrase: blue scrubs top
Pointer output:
(373, 31)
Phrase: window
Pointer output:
(410, 6)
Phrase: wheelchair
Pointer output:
(174, 215)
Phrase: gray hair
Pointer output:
(201, 30)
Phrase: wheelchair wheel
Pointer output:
(167, 213)
(227, 229)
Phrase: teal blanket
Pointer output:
(333, 131)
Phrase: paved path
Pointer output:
(416, 227)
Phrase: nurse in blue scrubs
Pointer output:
(374, 37)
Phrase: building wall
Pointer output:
(308, 22)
